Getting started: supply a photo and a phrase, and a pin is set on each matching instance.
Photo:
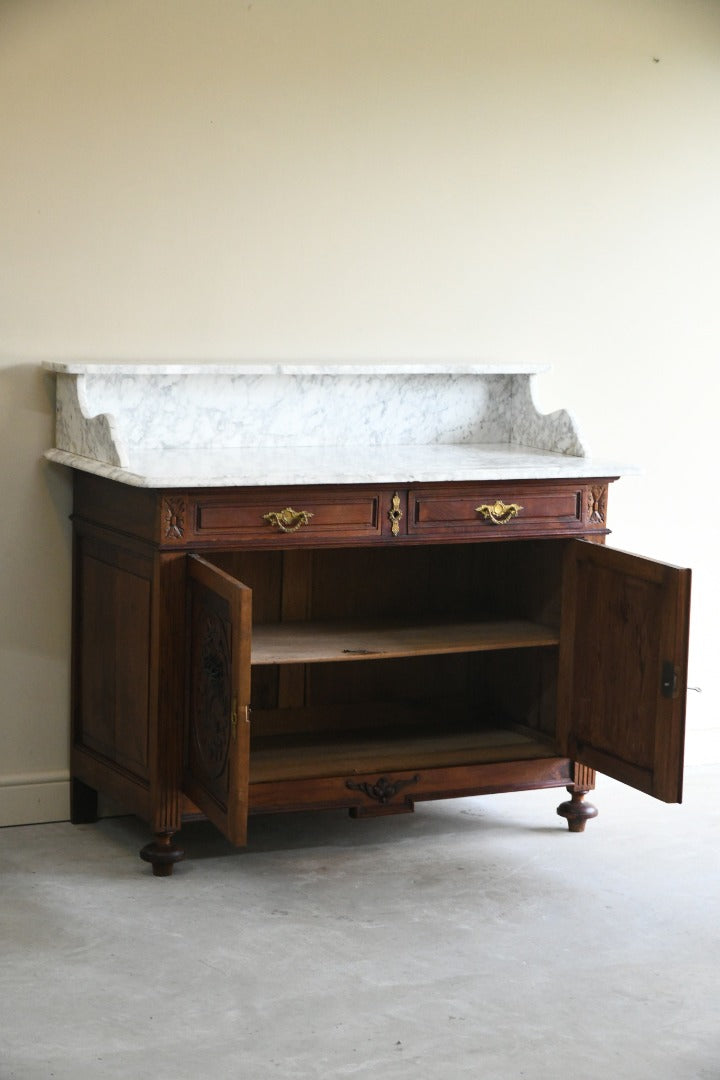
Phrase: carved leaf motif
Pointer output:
(597, 505)
(383, 790)
(174, 518)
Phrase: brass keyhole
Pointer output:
(395, 514)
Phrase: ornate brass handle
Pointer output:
(499, 513)
(288, 520)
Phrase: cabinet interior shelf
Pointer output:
(330, 642)
(298, 757)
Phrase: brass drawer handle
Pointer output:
(288, 520)
(499, 513)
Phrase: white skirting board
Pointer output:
(29, 798)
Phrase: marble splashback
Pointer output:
(165, 425)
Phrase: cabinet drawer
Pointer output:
(500, 510)
(279, 517)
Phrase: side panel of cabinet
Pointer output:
(112, 677)
(623, 667)
(217, 747)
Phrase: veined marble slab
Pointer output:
(287, 466)
(194, 425)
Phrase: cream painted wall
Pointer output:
(491, 179)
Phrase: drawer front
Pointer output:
(498, 511)
(287, 517)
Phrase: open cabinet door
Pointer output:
(623, 667)
(217, 747)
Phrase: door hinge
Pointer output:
(669, 680)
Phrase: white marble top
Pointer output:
(280, 466)
(295, 367)
(227, 425)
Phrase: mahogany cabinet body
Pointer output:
(270, 649)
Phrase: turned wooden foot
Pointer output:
(162, 853)
(576, 811)
(83, 803)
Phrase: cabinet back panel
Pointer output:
(512, 686)
(507, 580)
(499, 580)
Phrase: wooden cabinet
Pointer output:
(345, 585)
(260, 649)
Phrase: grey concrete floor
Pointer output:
(476, 938)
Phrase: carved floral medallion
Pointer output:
(212, 706)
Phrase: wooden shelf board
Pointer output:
(329, 642)
(295, 757)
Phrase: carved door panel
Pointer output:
(217, 747)
(623, 667)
